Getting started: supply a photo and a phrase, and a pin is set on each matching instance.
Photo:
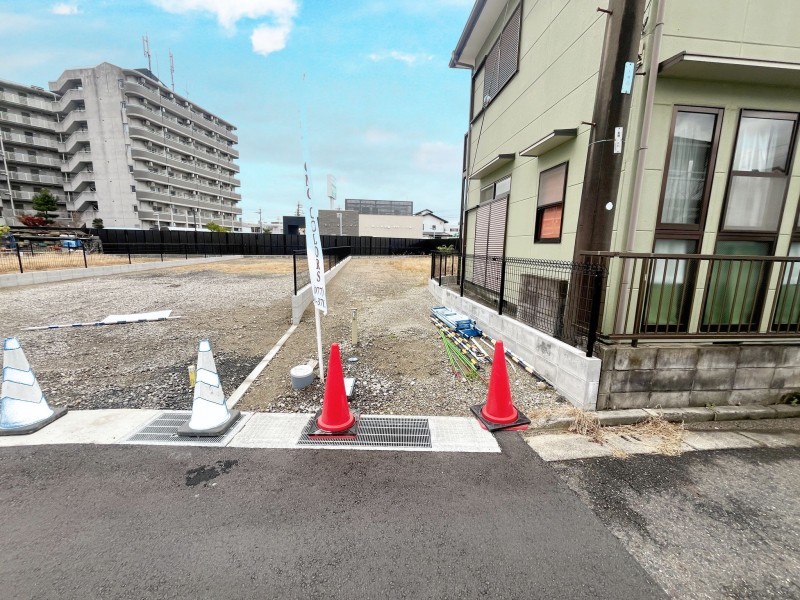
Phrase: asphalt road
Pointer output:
(722, 524)
(159, 522)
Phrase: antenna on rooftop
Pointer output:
(146, 48)
(172, 69)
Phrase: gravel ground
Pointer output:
(243, 306)
(402, 366)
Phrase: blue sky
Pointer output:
(386, 116)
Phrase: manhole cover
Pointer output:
(163, 430)
(382, 432)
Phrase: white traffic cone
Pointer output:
(210, 414)
(23, 408)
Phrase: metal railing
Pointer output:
(331, 257)
(559, 298)
(705, 296)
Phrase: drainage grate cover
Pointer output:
(163, 430)
(379, 432)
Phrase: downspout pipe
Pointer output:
(641, 157)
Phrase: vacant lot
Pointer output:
(244, 306)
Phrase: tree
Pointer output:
(44, 203)
(97, 223)
(214, 227)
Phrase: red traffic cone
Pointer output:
(336, 416)
(499, 412)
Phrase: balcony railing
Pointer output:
(33, 160)
(33, 177)
(29, 121)
(701, 296)
(27, 101)
(30, 140)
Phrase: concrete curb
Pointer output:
(611, 418)
(54, 275)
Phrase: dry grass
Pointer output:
(245, 266)
(664, 437)
(413, 265)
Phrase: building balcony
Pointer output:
(186, 201)
(64, 83)
(77, 162)
(83, 201)
(78, 138)
(174, 106)
(71, 99)
(191, 131)
(28, 196)
(80, 182)
(19, 157)
(28, 122)
(34, 141)
(33, 178)
(74, 120)
(27, 101)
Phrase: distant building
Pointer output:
(380, 207)
(432, 226)
(119, 145)
(30, 148)
(338, 222)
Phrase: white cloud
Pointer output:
(267, 37)
(405, 57)
(229, 12)
(63, 8)
(270, 38)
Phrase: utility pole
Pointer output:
(260, 224)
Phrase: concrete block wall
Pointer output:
(688, 374)
(304, 297)
(567, 369)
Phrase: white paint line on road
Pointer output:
(107, 426)
(248, 381)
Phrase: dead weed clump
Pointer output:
(669, 436)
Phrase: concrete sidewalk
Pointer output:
(84, 521)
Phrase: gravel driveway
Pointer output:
(243, 306)
(402, 367)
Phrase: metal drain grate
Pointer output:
(381, 432)
(163, 430)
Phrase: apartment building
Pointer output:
(656, 138)
(131, 152)
(29, 146)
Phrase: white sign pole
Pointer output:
(316, 260)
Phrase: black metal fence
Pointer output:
(219, 243)
(559, 298)
(704, 296)
(331, 257)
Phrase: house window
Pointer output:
(760, 172)
(550, 204)
(499, 66)
(490, 234)
(690, 161)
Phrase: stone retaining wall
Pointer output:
(681, 375)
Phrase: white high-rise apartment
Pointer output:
(135, 154)
(29, 146)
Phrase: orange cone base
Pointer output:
(519, 424)
(345, 434)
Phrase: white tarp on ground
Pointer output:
(151, 316)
